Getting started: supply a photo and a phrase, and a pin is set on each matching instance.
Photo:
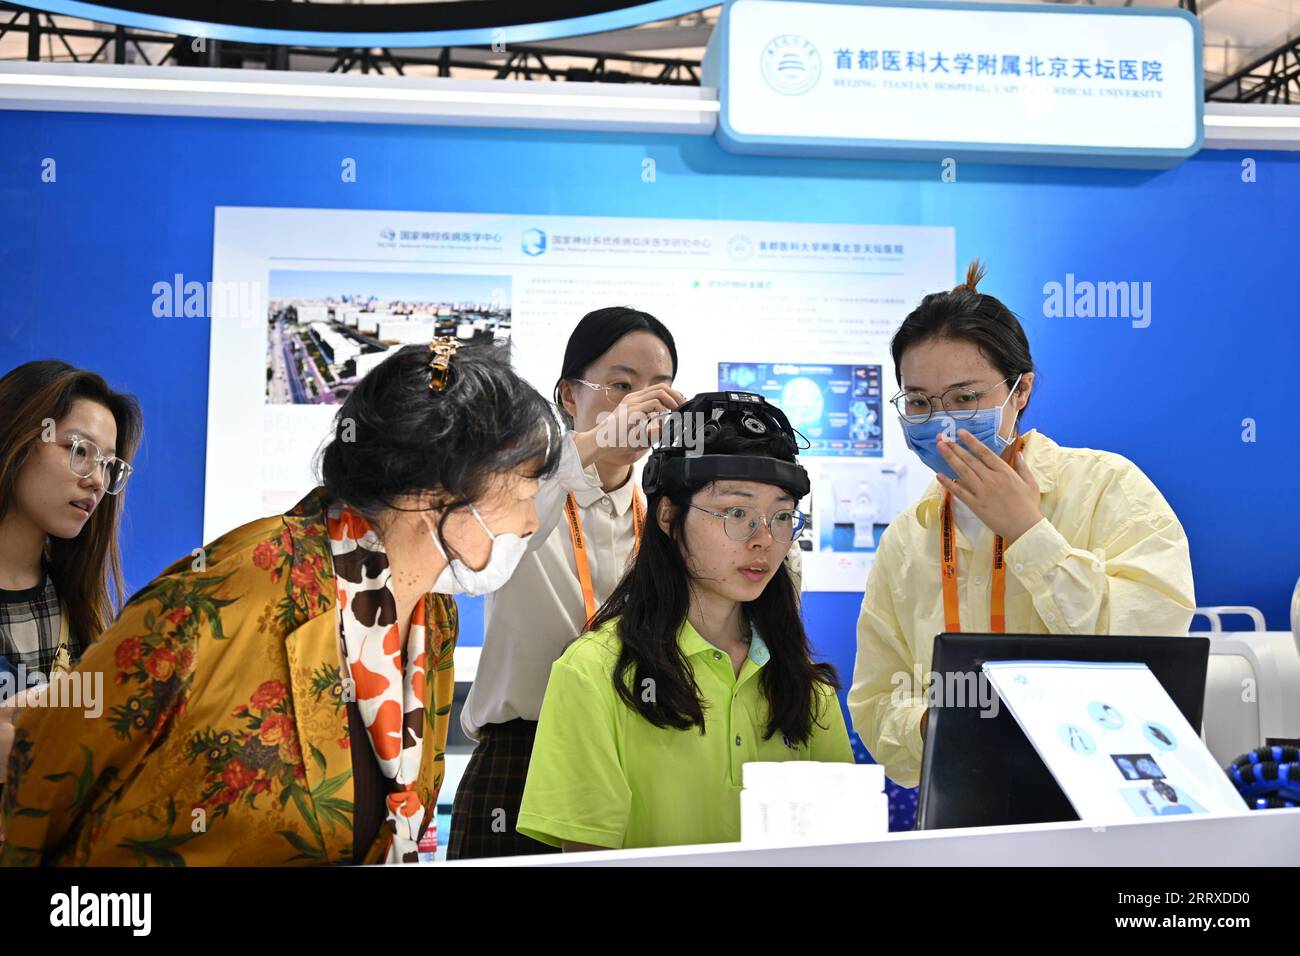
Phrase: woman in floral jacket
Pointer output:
(283, 697)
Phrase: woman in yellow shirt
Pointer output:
(1088, 544)
(283, 697)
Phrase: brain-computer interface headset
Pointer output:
(672, 465)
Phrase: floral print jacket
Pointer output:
(223, 737)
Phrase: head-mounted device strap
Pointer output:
(684, 470)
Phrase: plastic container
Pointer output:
(805, 801)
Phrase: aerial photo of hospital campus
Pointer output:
(326, 330)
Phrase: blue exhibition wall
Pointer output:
(133, 205)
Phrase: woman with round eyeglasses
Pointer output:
(741, 523)
(1017, 534)
(697, 664)
(66, 440)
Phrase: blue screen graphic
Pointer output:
(836, 407)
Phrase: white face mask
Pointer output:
(458, 578)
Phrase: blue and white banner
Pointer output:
(308, 301)
(993, 83)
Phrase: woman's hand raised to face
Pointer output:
(629, 431)
(1003, 497)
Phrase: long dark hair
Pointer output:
(651, 603)
(86, 570)
(596, 333)
(395, 436)
(969, 316)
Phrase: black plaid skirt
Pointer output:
(486, 808)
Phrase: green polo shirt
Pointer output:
(602, 774)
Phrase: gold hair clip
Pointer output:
(440, 365)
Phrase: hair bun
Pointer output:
(974, 273)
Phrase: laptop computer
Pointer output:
(982, 771)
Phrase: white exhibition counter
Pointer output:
(1261, 838)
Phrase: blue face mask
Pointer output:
(923, 438)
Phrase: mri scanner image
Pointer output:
(1138, 766)
(854, 501)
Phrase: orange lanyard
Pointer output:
(948, 559)
(580, 546)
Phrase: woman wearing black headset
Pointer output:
(698, 663)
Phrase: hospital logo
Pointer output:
(740, 247)
(791, 64)
(533, 242)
